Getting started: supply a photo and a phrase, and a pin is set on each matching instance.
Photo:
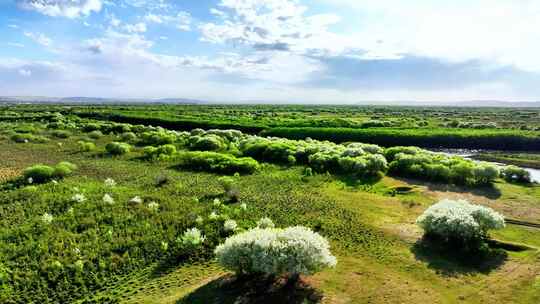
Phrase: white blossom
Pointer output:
(153, 206)
(192, 237)
(46, 218)
(109, 182)
(78, 198)
(213, 216)
(243, 206)
(108, 199)
(265, 223)
(136, 200)
(294, 250)
(230, 225)
(459, 219)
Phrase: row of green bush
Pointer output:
(428, 138)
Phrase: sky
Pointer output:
(316, 51)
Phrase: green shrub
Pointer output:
(22, 138)
(86, 146)
(39, 173)
(161, 153)
(128, 137)
(516, 174)
(95, 134)
(64, 169)
(44, 173)
(61, 134)
(217, 162)
(210, 142)
(117, 148)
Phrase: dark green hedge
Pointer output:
(427, 138)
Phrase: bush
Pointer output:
(516, 174)
(95, 134)
(39, 173)
(86, 146)
(210, 142)
(128, 137)
(217, 162)
(161, 153)
(116, 148)
(459, 221)
(61, 134)
(43, 173)
(64, 169)
(157, 138)
(291, 251)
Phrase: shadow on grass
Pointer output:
(451, 261)
(252, 290)
(488, 191)
(357, 181)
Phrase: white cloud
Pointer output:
(182, 20)
(62, 8)
(15, 44)
(13, 26)
(25, 73)
(39, 38)
(135, 28)
(503, 32)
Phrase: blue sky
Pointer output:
(329, 51)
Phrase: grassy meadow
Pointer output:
(85, 238)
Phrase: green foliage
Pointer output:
(117, 148)
(216, 162)
(164, 152)
(438, 167)
(95, 134)
(207, 142)
(44, 173)
(86, 146)
(61, 134)
(516, 174)
(128, 137)
(39, 173)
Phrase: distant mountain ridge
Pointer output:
(101, 100)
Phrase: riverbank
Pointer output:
(518, 159)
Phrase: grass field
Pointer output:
(382, 257)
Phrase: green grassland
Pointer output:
(431, 127)
(370, 224)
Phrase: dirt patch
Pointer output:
(8, 173)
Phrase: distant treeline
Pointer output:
(427, 138)
(509, 140)
(172, 124)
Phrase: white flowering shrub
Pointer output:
(265, 223)
(46, 218)
(192, 238)
(291, 251)
(230, 225)
(109, 182)
(78, 198)
(136, 200)
(459, 220)
(108, 199)
(153, 206)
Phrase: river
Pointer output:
(468, 154)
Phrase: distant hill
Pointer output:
(95, 100)
(100, 100)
